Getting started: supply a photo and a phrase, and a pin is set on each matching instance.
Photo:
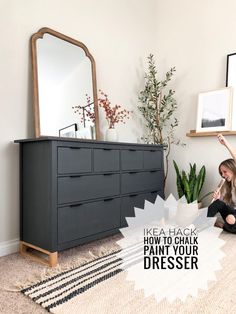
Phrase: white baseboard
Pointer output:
(9, 247)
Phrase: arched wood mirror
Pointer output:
(64, 86)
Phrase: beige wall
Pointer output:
(196, 36)
(119, 34)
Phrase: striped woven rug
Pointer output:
(53, 293)
(100, 286)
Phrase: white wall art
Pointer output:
(214, 110)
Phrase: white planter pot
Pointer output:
(111, 135)
(186, 213)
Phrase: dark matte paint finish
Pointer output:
(76, 191)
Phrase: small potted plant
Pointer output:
(113, 114)
(190, 184)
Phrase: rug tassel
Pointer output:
(93, 255)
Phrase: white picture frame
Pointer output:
(214, 110)
(68, 131)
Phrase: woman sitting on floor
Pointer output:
(225, 199)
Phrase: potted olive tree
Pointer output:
(158, 105)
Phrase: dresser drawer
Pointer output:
(152, 159)
(131, 159)
(128, 203)
(127, 206)
(106, 160)
(75, 222)
(141, 181)
(151, 196)
(80, 188)
(74, 160)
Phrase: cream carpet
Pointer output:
(116, 295)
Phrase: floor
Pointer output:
(16, 270)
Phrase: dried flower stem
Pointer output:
(113, 114)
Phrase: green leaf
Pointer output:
(201, 176)
(186, 187)
(179, 184)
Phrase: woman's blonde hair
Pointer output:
(228, 186)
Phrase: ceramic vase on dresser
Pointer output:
(111, 135)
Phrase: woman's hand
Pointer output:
(222, 140)
(216, 195)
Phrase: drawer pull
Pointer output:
(152, 150)
(76, 176)
(132, 150)
(76, 205)
(153, 170)
(107, 174)
(75, 147)
(133, 172)
(133, 195)
(107, 149)
(154, 192)
(108, 199)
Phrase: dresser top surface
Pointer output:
(76, 140)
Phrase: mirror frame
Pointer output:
(34, 38)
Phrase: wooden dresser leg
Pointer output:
(53, 259)
(22, 248)
(50, 261)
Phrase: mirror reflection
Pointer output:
(65, 94)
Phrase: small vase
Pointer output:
(111, 135)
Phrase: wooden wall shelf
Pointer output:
(193, 133)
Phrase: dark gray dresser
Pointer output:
(74, 191)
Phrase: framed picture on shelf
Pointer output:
(214, 110)
(231, 82)
(68, 131)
